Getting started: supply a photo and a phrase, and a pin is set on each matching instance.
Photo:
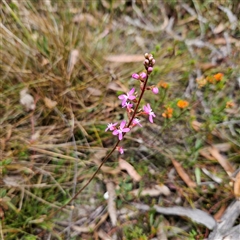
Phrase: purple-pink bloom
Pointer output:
(147, 109)
(120, 149)
(128, 96)
(135, 76)
(121, 130)
(155, 90)
(150, 69)
(128, 105)
(143, 75)
(111, 126)
(135, 122)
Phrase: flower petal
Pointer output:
(131, 91)
(150, 119)
(131, 97)
(115, 132)
(126, 130)
(120, 136)
(123, 123)
(121, 97)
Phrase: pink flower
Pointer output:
(143, 75)
(147, 109)
(155, 90)
(111, 126)
(128, 96)
(135, 76)
(150, 69)
(135, 122)
(121, 130)
(120, 149)
(128, 105)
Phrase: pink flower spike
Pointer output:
(135, 76)
(121, 130)
(155, 90)
(120, 149)
(135, 122)
(143, 75)
(147, 109)
(111, 126)
(128, 96)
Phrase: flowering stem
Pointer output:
(138, 102)
(148, 66)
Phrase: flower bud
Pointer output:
(135, 76)
(155, 90)
(143, 75)
(146, 62)
(150, 69)
(146, 55)
(153, 61)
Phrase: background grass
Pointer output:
(38, 173)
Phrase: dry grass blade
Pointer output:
(123, 58)
(182, 173)
(73, 58)
(55, 154)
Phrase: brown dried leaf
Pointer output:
(104, 235)
(114, 87)
(96, 158)
(222, 160)
(124, 165)
(44, 62)
(236, 188)
(1, 212)
(205, 153)
(152, 192)
(94, 91)
(185, 177)
(196, 125)
(124, 58)
(217, 216)
(223, 41)
(207, 66)
(223, 147)
(49, 103)
(220, 27)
